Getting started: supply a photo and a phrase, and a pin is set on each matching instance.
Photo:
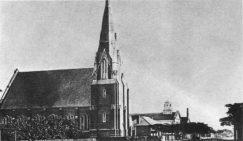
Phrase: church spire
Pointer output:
(107, 3)
(107, 34)
(108, 57)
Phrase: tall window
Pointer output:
(236, 134)
(104, 93)
(104, 117)
(5, 120)
(83, 122)
(80, 123)
(87, 122)
(104, 69)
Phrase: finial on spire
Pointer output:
(107, 3)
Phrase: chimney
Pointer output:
(187, 112)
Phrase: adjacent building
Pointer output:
(142, 121)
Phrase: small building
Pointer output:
(143, 121)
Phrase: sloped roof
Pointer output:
(54, 88)
(149, 120)
(157, 116)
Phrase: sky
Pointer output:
(186, 51)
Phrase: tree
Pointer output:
(187, 128)
(224, 133)
(43, 128)
(233, 114)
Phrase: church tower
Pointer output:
(109, 90)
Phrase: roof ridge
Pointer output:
(54, 70)
(145, 113)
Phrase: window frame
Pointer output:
(104, 93)
(104, 69)
(104, 116)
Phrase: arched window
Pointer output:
(103, 69)
(104, 117)
(83, 122)
(5, 120)
(8, 119)
(104, 93)
(80, 123)
(70, 116)
(87, 122)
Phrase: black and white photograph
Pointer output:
(121, 70)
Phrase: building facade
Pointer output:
(142, 122)
(238, 126)
(96, 97)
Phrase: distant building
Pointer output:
(141, 122)
(96, 97)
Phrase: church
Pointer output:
(98, 97)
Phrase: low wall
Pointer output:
(87, 139)
(211, 140)
(151, 138)
(109, 139)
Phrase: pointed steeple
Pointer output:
(107, 46)
(107, 34)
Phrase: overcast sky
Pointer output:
(185, 51)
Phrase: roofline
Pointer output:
(133, 114)
(56, 70)
(9, 85)
(46, 108)
(143, 113)
(177, 112)
(145, 119)
(17, 71)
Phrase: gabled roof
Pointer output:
(46, 89)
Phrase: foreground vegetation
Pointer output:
(42, 128)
